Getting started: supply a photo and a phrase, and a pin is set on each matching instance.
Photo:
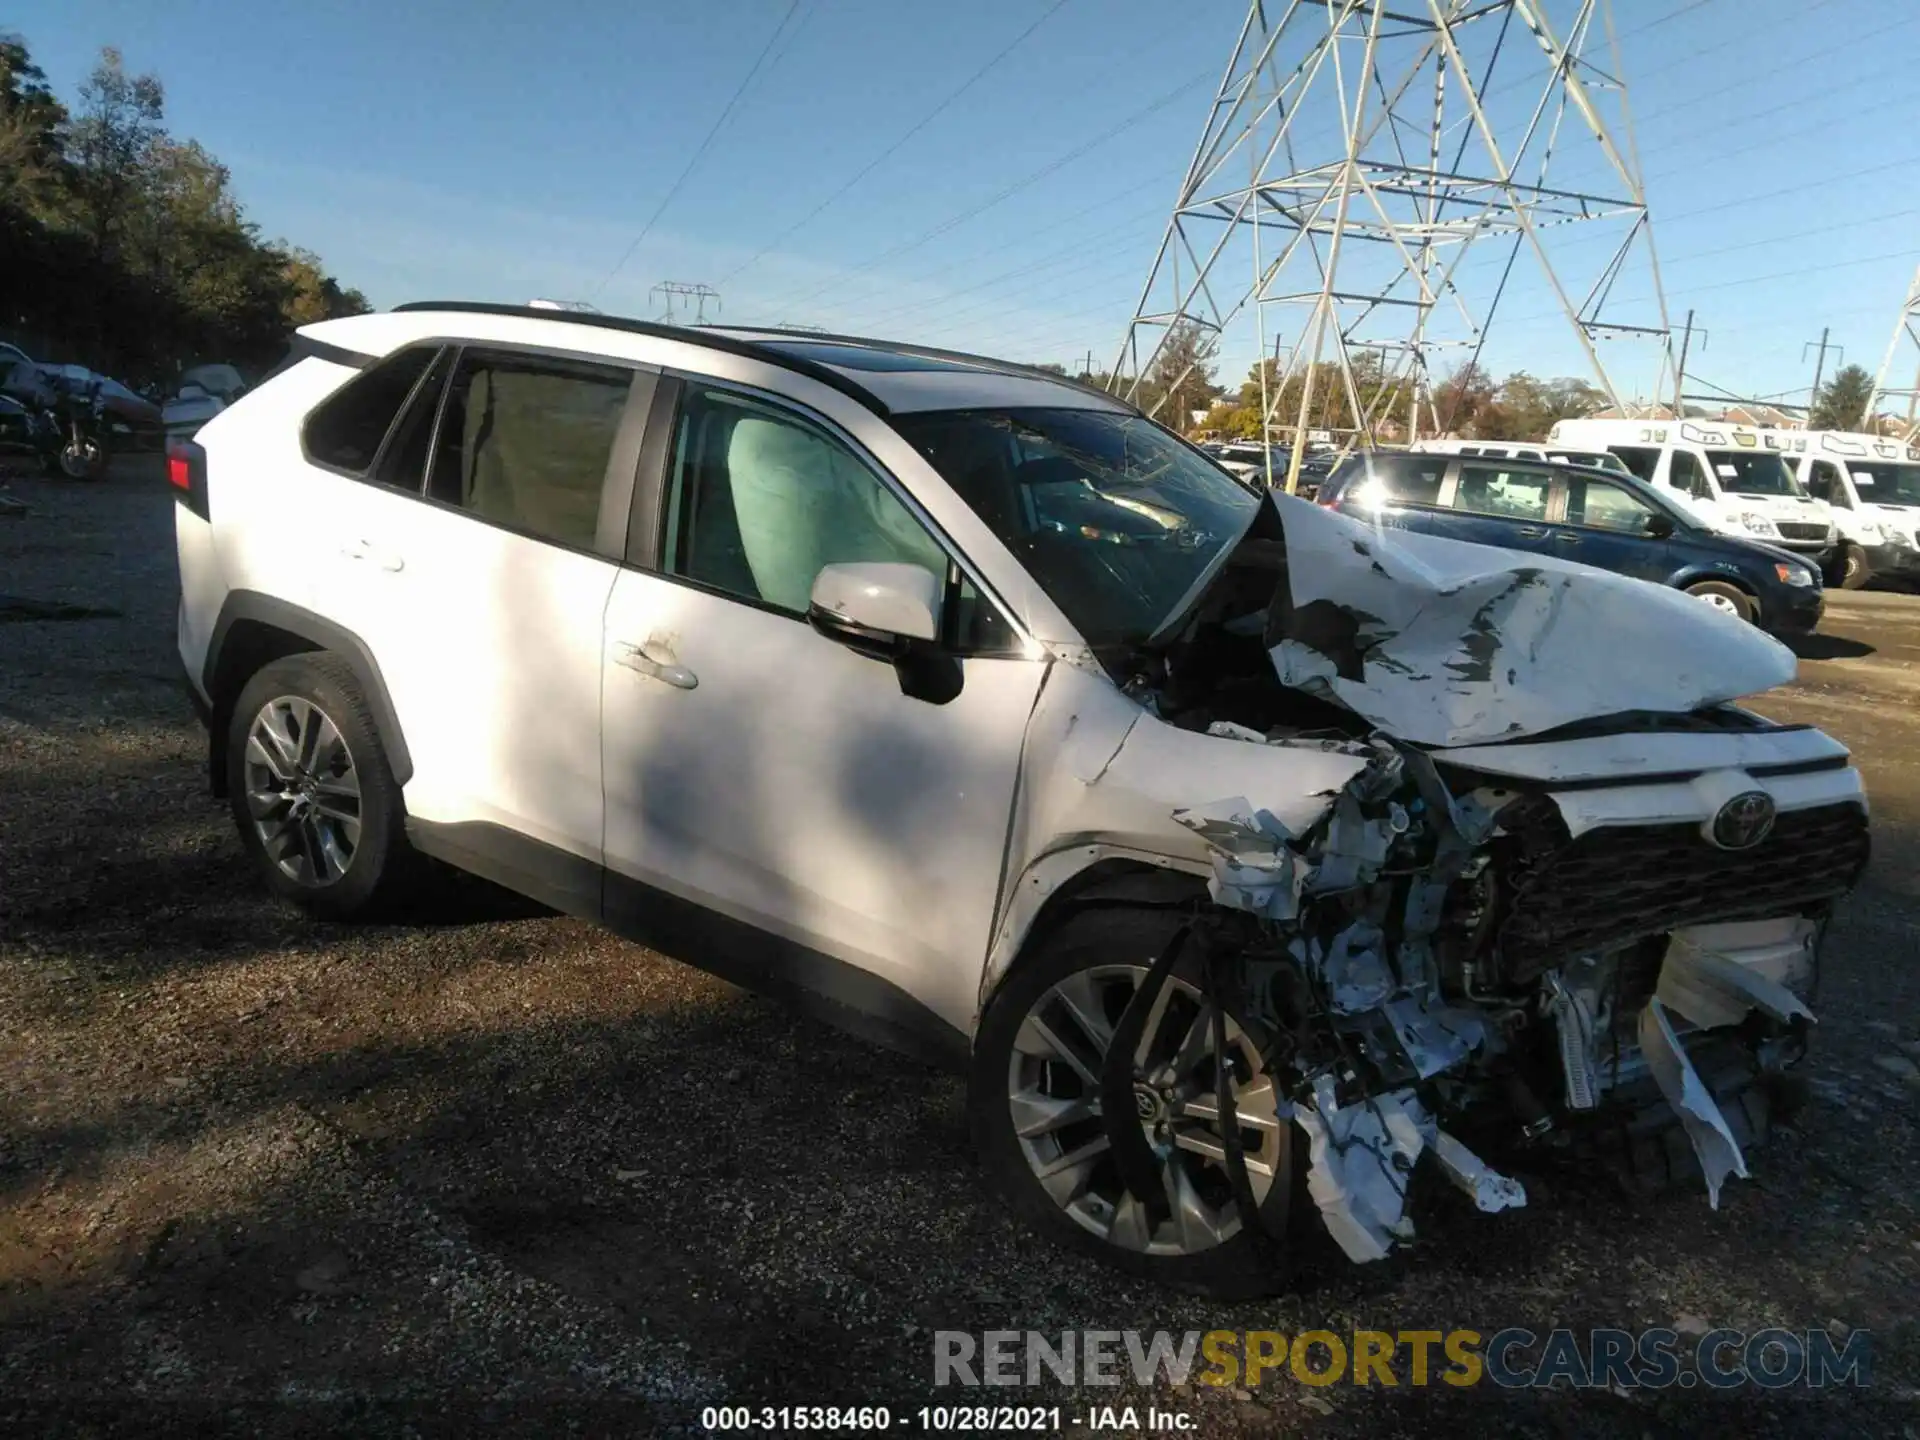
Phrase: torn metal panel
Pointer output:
(1715, 974)
(1361, 1161)
(1695, 1106)
(1254, 866)
(1441, 642)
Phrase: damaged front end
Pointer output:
(1459, 942)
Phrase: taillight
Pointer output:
(187, 474)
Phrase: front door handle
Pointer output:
(1530, 532)
(1566, 537)
(385, 559)
(636, 658)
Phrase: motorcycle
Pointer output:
(74, 434)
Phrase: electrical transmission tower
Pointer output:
(1361, 158)
(679, 292)
(1906, 327)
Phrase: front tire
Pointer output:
(1855, 572)
(312, 793)
(1037, 1122)
(1730, 599)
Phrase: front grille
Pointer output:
(1615, 885)
(1800, 530)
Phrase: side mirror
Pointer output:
(888, 611)
(1659, 526)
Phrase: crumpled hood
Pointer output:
(1440, 642)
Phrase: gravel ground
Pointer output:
(496, 1167)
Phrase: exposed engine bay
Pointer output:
(1443, 949)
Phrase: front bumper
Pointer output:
(1796, 610)
(1902, 561)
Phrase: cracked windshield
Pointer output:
(1113, 516)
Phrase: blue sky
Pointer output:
(495, 150)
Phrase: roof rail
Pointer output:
(705, 338)
(934, 353)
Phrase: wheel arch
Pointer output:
(1700, 575)
(1058, 886)
(253, 630)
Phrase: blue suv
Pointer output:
(1596, 517)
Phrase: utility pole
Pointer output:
(1819, 365)
(1680, 372)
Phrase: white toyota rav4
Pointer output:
(1241, 853)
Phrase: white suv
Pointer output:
(1234, 848)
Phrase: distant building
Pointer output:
(1766, 417)
(1636, 410)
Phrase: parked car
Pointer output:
(1250, 461)
(1733, 478)
(1586, 514)
(1257, 861)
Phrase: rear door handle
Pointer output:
(636, 658)
(1566, 537)
(1530, 532)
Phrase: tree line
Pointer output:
(1469, 403)
(123, 247)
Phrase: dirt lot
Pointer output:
(496, 1168)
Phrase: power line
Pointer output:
(896, 147)
(1045, 170)
(694, 161)
(1021, 241)
(1051, 260)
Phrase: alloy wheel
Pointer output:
(302, 790)
(1053, 1094)
(1723, 603)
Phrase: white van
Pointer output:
(1523, 450)
(1737, 478)
(1873, 487)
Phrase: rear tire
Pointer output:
(312, 793)
(1091, 966)
(1728, 598)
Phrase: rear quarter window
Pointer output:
(1413, 482)
(345, 430)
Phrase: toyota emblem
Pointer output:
(1744, 821)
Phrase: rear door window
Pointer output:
(1500, 490)
(345, 430)
(1601, 505)
(525, 441)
